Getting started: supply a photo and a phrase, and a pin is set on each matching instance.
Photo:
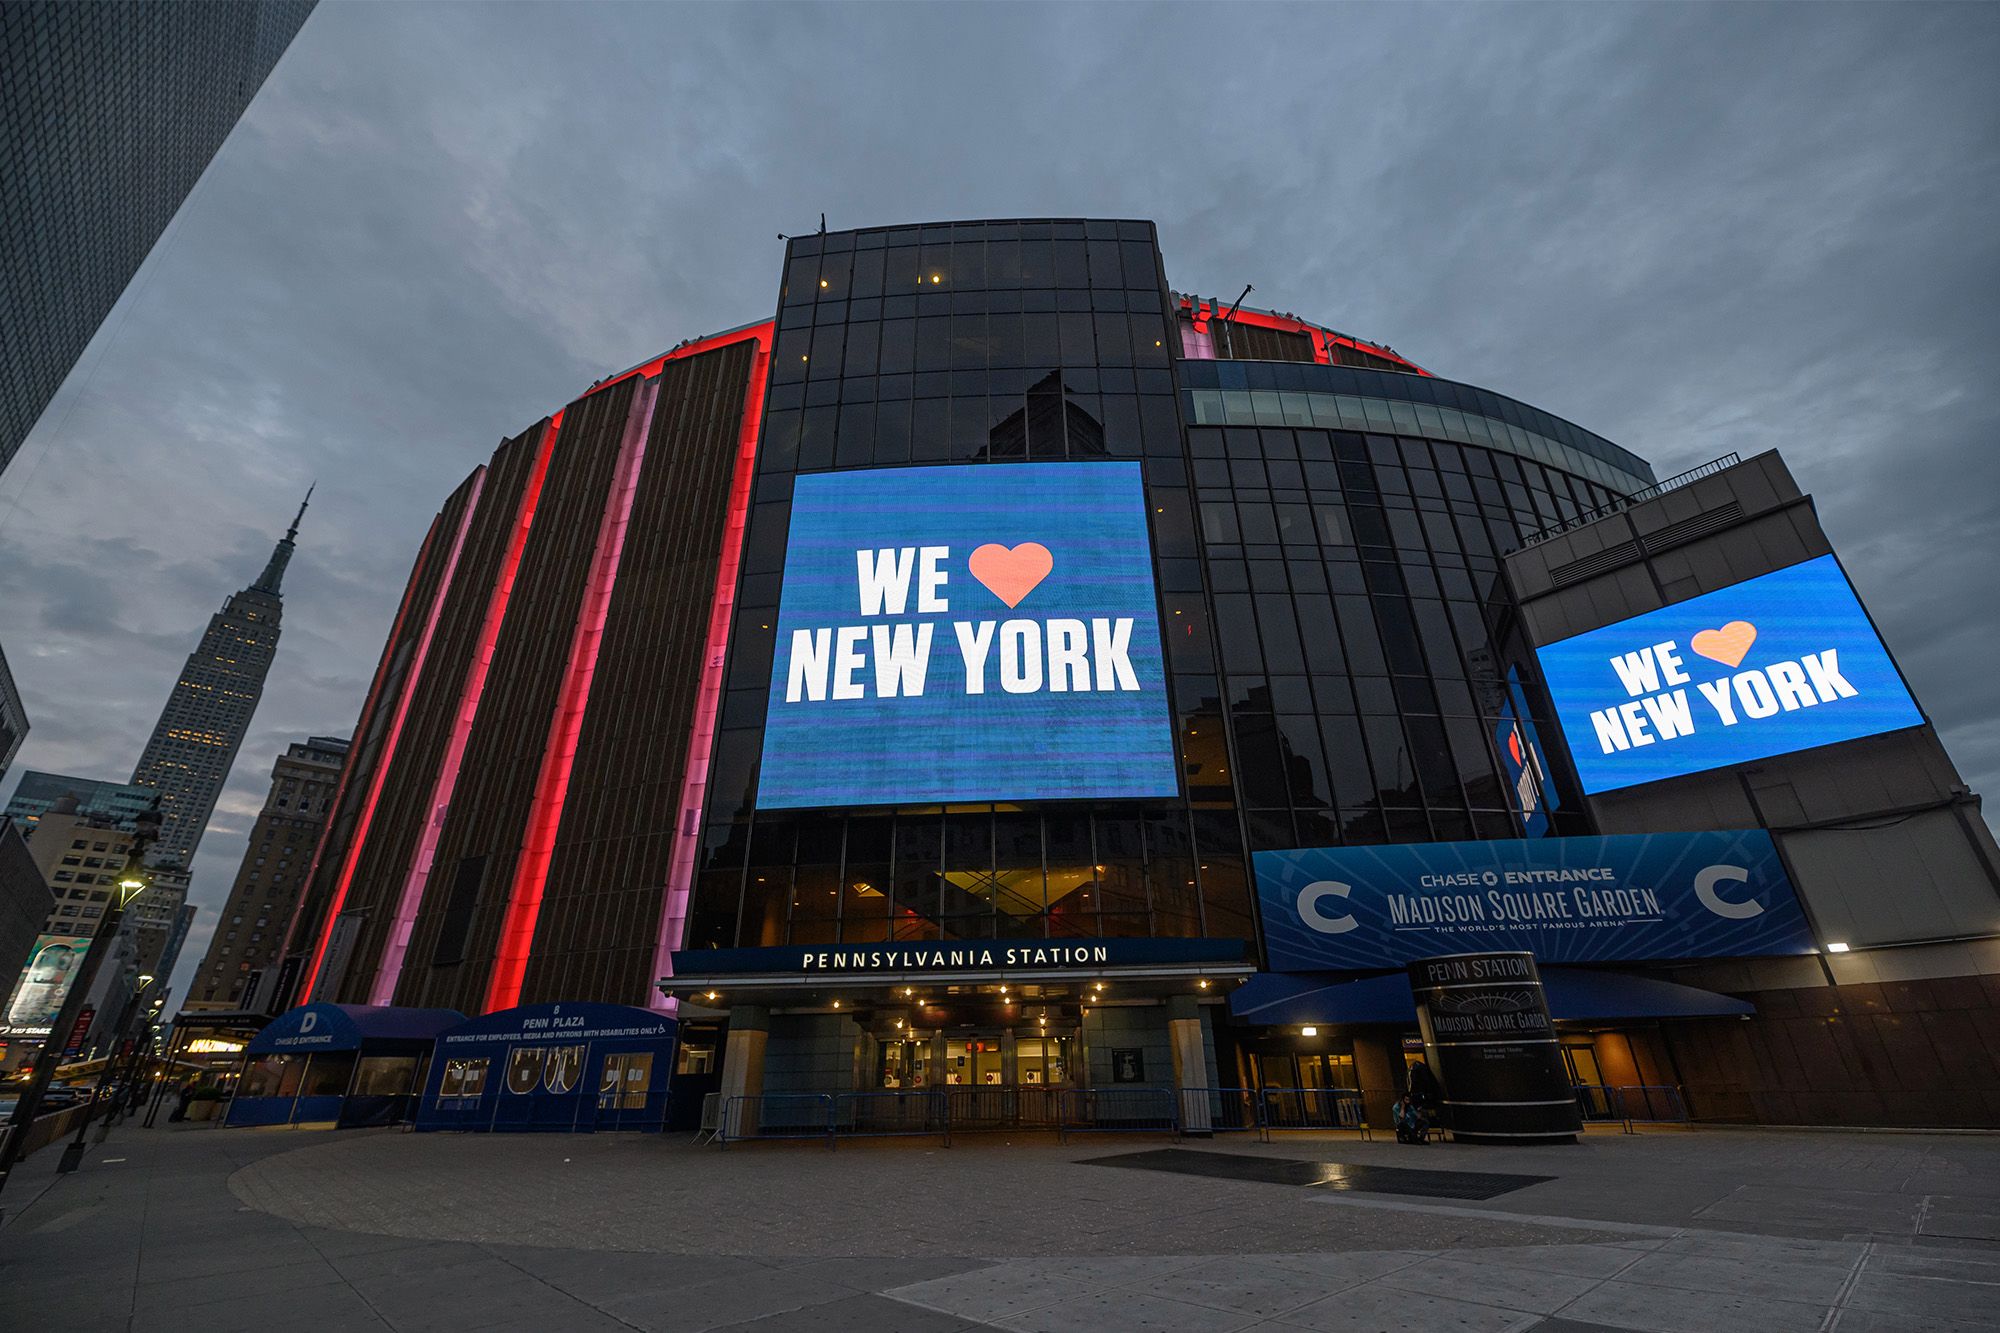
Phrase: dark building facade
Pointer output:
(250, 929)
(13, 718)
(108, 116)
(620, 746)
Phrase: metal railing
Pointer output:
(1117, 1109)
(1708, 469)
(1631, 1104)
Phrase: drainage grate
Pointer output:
(1323, 1175)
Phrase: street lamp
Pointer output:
(130, 885)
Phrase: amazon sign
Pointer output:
(982, 633)
(1629, 898)
(1778, 663)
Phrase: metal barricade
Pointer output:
(710, 1129)
(1115, 1110)
(1313, 1108)
(1650, 1104)
(778, 1115)
(1220, 1111)
(914, 1111)
(1595, 1102)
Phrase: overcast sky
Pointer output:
(1691, 229)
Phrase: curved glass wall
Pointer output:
(979, 342)
(1326, 591)
(1221, 393)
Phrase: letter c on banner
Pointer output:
(1309, 911)
(1704, 889)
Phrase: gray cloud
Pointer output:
(1695, 229)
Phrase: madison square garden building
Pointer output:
(1000, 671)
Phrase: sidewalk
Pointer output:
(1706, 1231)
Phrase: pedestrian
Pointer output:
(186, 1096)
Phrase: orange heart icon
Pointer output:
(1727, 645)
(1011, 575)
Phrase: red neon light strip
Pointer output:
(411, 900)
(361, 727)
(531, 871)
(701, 743)
(403, 704)
(1204, 314)
(366, 819)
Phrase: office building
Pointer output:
(120, 803)
(109, 114)
(193, 745)
(250, 929)
(13, 718)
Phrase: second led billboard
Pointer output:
(1782, 662)
(979, 633)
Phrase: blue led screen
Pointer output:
(982, 633)
(1785, 661)
(1625, 898)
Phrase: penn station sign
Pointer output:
(1626, 898)
(971, 957)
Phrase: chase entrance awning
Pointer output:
(1575, 994)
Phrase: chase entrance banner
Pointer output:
(1566, 900)
(981, 633)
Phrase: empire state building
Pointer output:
(196, 739)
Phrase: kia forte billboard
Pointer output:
(1627, 898)
(980, 633)
(1782, 662)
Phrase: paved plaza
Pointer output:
(1706, 1231)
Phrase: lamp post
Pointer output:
(130, 885)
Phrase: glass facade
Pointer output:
(1325, 591)
(970, 343)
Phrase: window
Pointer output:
(463, 1078)
(624, 1082)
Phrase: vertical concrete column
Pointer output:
(1190, 1064)
(743, 1067)
(1378, 1068)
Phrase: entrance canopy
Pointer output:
(349, 1064)
(568, 1067)
(346, 1027)
(817, 974)
(1575, 994)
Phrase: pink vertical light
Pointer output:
(531, 870)
(701, 742)
(361, 727)
(411, 900)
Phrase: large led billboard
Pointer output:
(974, 633)
(44, 984)
(1782, 662)
(1627, 898)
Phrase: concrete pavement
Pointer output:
(1709, 1230)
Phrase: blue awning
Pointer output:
(1575, 994)
(345, 1027)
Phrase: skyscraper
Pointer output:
(108, 116)
(195, 741)
(13, 718)
(249, 936)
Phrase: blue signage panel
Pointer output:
(1566, 900)
(1785, 661)
(985, 633)
(955, 955)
